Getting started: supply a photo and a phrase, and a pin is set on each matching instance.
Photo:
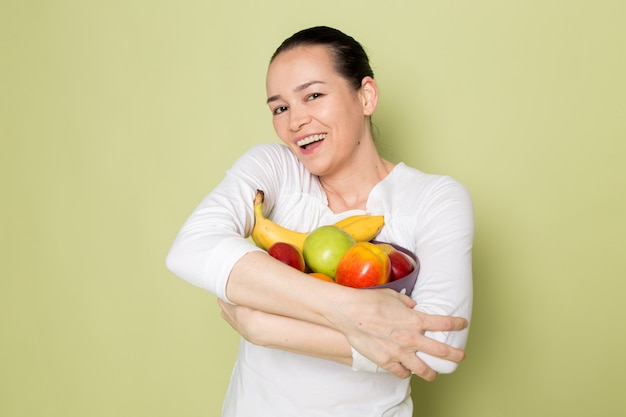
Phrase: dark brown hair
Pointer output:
(349, 58)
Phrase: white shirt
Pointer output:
(431, 215)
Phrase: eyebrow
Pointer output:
(295, 90)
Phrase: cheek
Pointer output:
(342, 115)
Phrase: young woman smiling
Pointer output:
(310, 347)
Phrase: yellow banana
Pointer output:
(352, 219)
(362, 227)
(266, 232)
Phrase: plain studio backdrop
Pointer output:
(117, 117)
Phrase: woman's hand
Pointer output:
(245, 321)
(383, 326)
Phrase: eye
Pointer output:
(279, 109)
(313, 96)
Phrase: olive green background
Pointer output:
(116, 117)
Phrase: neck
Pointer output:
(351, 190)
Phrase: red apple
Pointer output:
(363, 265)
(288, 254)
(401, 264)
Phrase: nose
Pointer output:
(298, 118)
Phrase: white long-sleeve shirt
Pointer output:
(431, 215)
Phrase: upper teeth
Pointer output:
(310, 139)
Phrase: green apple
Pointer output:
(324, 247)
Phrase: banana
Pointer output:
(352, 219)
(266, 232)
(362, 227)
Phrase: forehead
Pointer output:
(299, 65)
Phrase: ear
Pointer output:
(369, 95)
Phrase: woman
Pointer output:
(310, 347)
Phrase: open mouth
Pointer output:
(304, 143)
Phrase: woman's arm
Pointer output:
(444, 245)
(272, 331)
(304, 338)
(382, 325)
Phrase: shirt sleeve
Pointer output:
(444, 247)
(214, 237)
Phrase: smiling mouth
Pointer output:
(303, 143)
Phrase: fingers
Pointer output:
(436, 323)
(412, 365)
(441, 350)
(418, 367)
(408, 301)
(407, 363)
(228, 313)
(223, 306)
(398, 370)
(406, 360)
(224, 312)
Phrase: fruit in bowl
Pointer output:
(365, 264)
(321, 276)
(407, 283)
(288, 254)
(401, 263)
(324, 247)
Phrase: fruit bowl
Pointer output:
(403, 285)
